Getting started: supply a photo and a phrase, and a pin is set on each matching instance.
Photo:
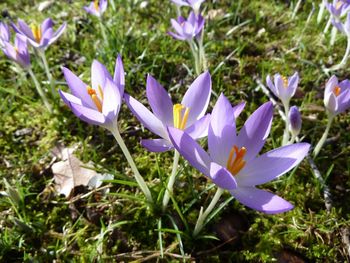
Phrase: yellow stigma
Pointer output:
(285, 81)
(337, 91)
(94, 97)
(179, 119)
(37, 33)
(235, 161)
(96, 4)
(339, 5)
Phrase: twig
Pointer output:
(326, 191)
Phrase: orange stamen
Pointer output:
(236, 163)
(94, 98)
(96, 5)
(337, 91)
(285, 81)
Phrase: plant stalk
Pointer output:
(40, 90)
(324, 136)
(170, 186)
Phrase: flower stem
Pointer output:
(286, 130)
(138, 177)
(324, 136)
(202, 216)
(169, 189)
(343, 61)
(202, 57)
(40, 90)
(48, 73)
(195, 56)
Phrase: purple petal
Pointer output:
(237, 110)
(222, 131)
(331, 84)
(103, 6)
(47, 24)
(157, 145)
(58, 33)
(146, 117)
(25, 29)
(272, 164)
(199, 129)
(159, 101)
(176, 36)
(178, 28)
(343, 100)
(119, 75)
(222, 177)
(111, 100)
(197, 97)
(78, 88)
(261, 200)
(99, 75)
(293, 83)
(271, 85)
(190, 150)
(255, 130)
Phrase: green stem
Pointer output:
(202, 216)
(40, 90)
(203, 59)
(195, 56)
(48, 73)
(286, 130)
(138, 177)
(324, 136)
(170, 186)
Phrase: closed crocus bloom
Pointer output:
(39, 36)
(187, 29)
(195, 4)
(337, 96)
(233, 162)
(338, 8)
(284, 88)
(4, 34)
(19, 52)
(189, 115)
(98, 104)
(97, 7)
(294, 121)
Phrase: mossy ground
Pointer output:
(41, 226)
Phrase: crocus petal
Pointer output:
(146, 117)
(45, 39)
(199, 129)
(222, 131)
(272, 164)
(293, 83)
(111, 101)
(271, 85)
(159, 101)
(190, 150)
(58, 33)
(47, 24)
(78, 88)
(176, 26)
(261, 200)
(237, 110)
(157, 145)
(24, 29)
(197, 97)
(222, 177)
(331, 83)
(255, 130)
(99, 74)
(68, 98)
(88, 115)
(331, 103)
(344, 101)
(119, 74)
(176, 36)
(103, 6)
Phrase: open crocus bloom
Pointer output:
(337, 96)
(188, 116)
(338, 8)
(232, 162)
(39, 36)
(19, 52)
(283, 88)
(99, 103)
(97, 7)
(187, 29)
(4, 34)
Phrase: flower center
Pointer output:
(37, 32)
(95, 98)
(339, 5)
(285, 81)
(180, 119)
(96, 5)
(235, 161)
(337, 91)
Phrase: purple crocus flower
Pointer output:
(195, 4)
(338, 8)
(343, 27)
(19, 52)
(39, 36)
(294, 120)
(232, 162)
(97, 7)
(283, 88)
(188, 116)
(187, 29)
(337, 96)
(4, 34)
(98, 104)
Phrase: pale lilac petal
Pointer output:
(24, 29)
(238, 109)
(222, 131)
(45, 39)
(271, 85)
(78, 88)
(67, 98)
(331, 103)
(199, 129)
(47, 24)
(119, 75)
(58, 33)
(261, 200)
(176, 26)
(176, 36)
(272, 164)
(159, 101)
(103, 6)
(88, 115)
(331, 84)
(222, 177)
(197, 97)
(190, 150)
(180, 2)
(99, 74)
(157, 145)
(146, 117)
(293, 83)
(111, 101)
(188, 30)
(343, 100)
(255, 131)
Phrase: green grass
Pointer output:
(37, 225)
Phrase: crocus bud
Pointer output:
(294, 120)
